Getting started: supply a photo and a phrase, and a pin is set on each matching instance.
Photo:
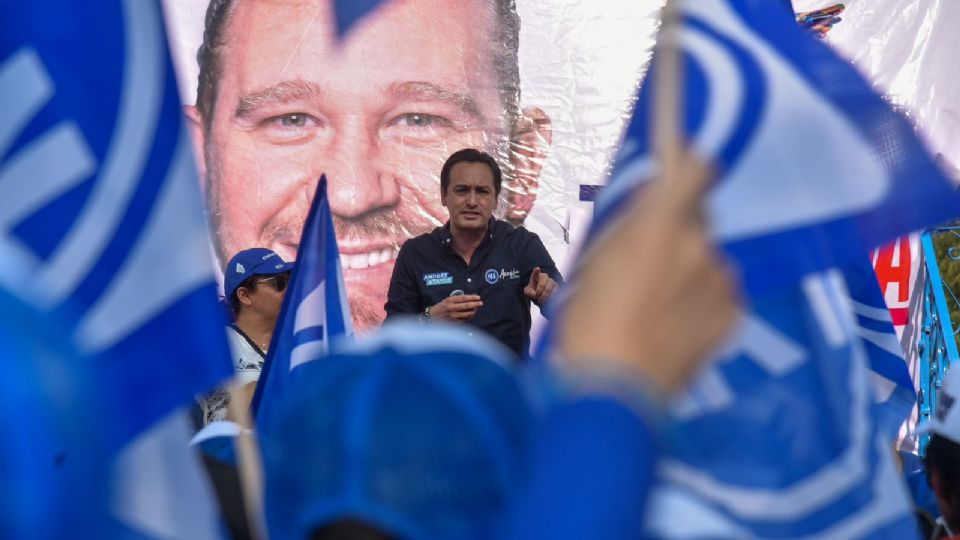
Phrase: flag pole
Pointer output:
(248, 462)
(667, 117)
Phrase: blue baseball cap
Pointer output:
(251, 262)
(421, 432)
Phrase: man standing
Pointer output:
(255, 281)
(281, 100)
(476, 268)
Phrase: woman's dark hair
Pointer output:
(233, 302)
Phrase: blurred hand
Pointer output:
(653, 295)
(456, 308)
(541, 286)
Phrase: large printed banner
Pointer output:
(275, 101)
(545, 85)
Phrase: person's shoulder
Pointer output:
(505, 229)
(518, 234)
(424, 240)
(234, 335)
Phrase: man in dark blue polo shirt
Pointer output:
(475, 269)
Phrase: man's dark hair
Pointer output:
(470, 155)
(505, 45)
(943, 459)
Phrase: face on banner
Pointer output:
(281, 102)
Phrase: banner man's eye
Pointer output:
(293, 120)
(418, 120)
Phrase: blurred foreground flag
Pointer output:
(102, 233)
(315, 309)
(788, 431)
(814, 167)
(893, 390)
(786, 434)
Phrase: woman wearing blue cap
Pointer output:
(254, 283)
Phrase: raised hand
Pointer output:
(660, 314)
(541, 286)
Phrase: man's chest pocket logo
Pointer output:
(437, 278)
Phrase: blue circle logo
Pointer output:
(492, 276)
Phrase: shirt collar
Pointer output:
(447, 239)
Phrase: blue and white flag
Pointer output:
(315, 309)
(814, 167)
(893, 389)
(102, 232)
(780, 436)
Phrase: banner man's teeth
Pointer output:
(366, 260)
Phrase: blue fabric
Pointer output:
(419, 430)
(884, 354)
(103, 226)
(102, 237)
(592, 470)
(349, 12)
(789, 404)
(814, 167)
(45, 411)
(315, 309)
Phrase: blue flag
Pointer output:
(814, 167)
(780, 437)
(349, 12)
(315, 309)
(783, 434)
(101, 226)
(101, 223)
(45, 424)
(893, 390)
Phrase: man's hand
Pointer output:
(653, 295)
(456, 308)
(541, 286)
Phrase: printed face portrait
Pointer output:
(281, 101)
